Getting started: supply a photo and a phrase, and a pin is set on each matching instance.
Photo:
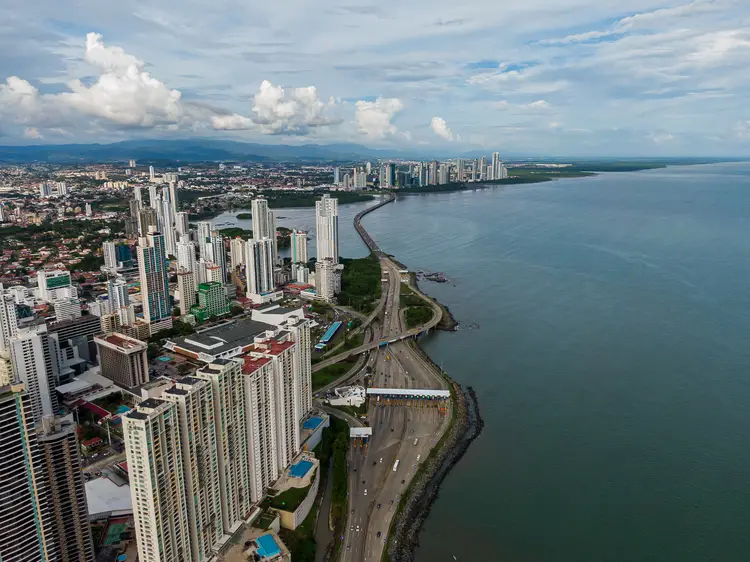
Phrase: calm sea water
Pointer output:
(609, 348)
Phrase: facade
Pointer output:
(225, 376)
(327, 279)
(34, 359)
(216, 252)
(299, 329)
(8, 321)
(21, 537)
(237, 252)
(260, 405)
(147, 220)
(53, 285)
(153, 446)
(195, 406)
(188, 290)
(299, 247)
(152, 263)
(182, 223)
(65, 521)
(186, 255)
(327, 228)
(123, 359)
(259, 266)
(282, 353)
(212, 301)
(301, 274)
(67, 309)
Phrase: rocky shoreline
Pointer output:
(416, 505)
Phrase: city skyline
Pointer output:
(656, 77)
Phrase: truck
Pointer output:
(395, 465)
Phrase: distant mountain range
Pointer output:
(175, 152)
(193, 150)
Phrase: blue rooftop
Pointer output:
(267, 546)
(331, 331)
(300, 469)
(312, 423)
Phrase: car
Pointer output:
(391, 429)
(391, 502)
(358, 528)
(352, 512)
(378, 535)
(381, 459)
(351, 528)
(378, 506)
(403, 481)
(355, 469)
(363, 481)
(348, 547)
(365, 491)
(374, 463)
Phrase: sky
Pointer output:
(544, 77)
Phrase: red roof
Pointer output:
(123, 465)
(252, 364)
(91, 442)
(271, 347)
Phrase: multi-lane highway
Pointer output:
(403, 433)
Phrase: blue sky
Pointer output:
(546, 77)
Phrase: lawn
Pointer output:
(331, 373)
(290, 499)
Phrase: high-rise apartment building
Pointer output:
(216, 252)
(336, 175)
(483, 168)
(8, 320)
(186, 255)
(259, 266)
(300, 332)
(123, 359)
(327, 228)
(212, 301)
(299, 246)
(237, 252)
(152, 262)
(67, 309)
(264, 224)
(204, 234)
(195, 407)
(260, 405)
(188, 289)
(182, 224)
(153, 445)
(54, 285)
(284, 361)
(230, 418)
(65, 519)
(34, 359)
(327, 279)
(147, 221)
(21, 513)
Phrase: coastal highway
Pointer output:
(400, 432)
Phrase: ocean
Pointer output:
(604, 327)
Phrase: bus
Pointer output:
(395, 466)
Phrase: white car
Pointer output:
(358, 528)
(381, 459)
(365, 491)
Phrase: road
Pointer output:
(405, 433)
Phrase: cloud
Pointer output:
(373, 118)
(441, 129)
(635, 21)
(32, 133)
(233, 122)
(291, 111)
(539, 104)
(123, 94)
(742, 130)
(661, 137)
(534, 105)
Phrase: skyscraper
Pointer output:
(34, 358)
(166, 222)
(299, 246)
(212, 301)
(327, 228)
(264, 224)
(259, 266)
(216, 252)
(195, 406)
(151, 173)
(123, 359)
(230, 418)
(147, 220)
(204, 233)
(188, 289)
(21, 537)
(156, 471)
(483, 169)
(152, 262)
(186, 255)
(236, 252)
(433, 175)
(182, 224)
(336, 175)
(495, 165)
(153, 196)
(8, 320)
(54, 285)
(65, 519)
(460, 170)
(260, 405)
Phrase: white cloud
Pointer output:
(233, 122)
(290, 111)
(742, 130)
(661, 137)
(441, 128)
(32, 133)
(534, 105)
(123, 95)
(373, 118)
(637, 20)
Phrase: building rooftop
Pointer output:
(222, 339)
(271, 347)
(104, 496)
(122, 341)
(252, 364)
